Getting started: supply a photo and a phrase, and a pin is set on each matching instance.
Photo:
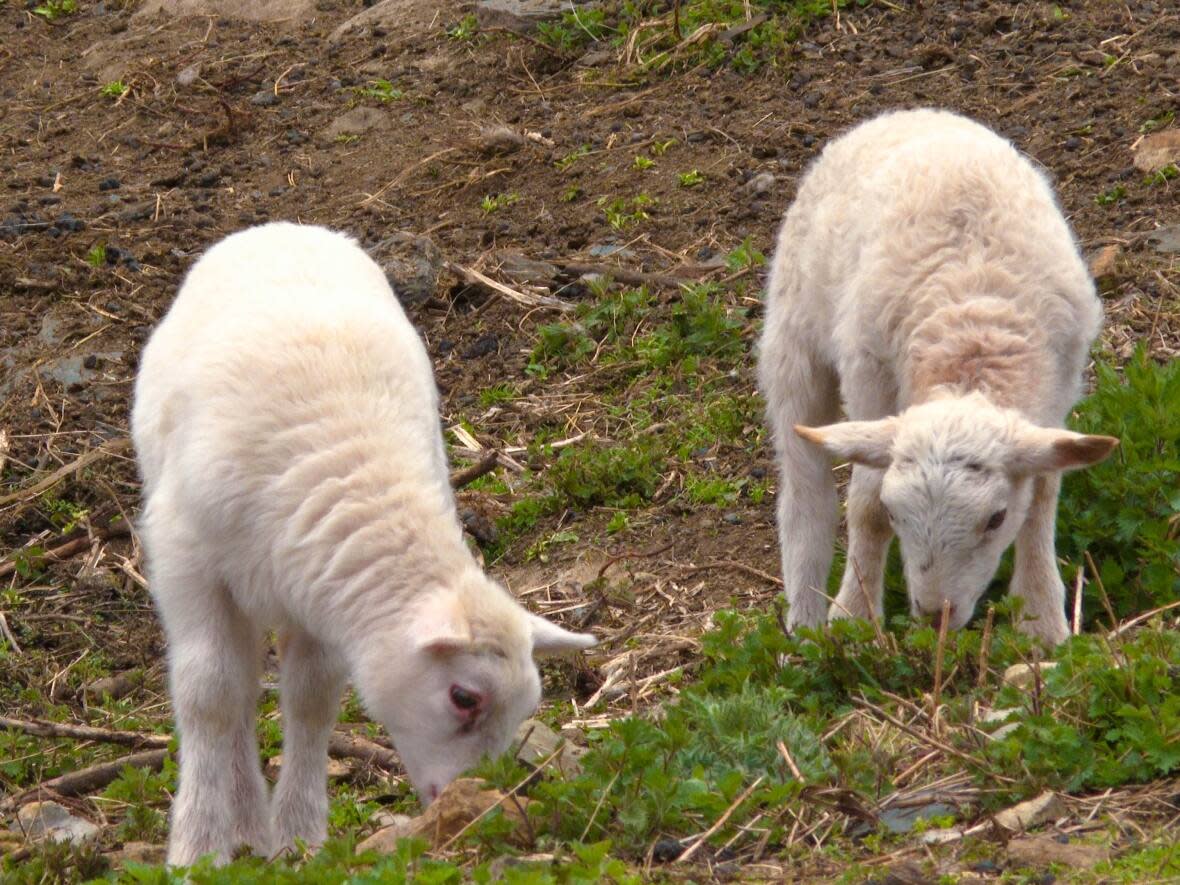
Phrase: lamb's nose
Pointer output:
(937, 614)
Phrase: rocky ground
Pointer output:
(504, 176)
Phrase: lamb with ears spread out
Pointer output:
(287, 426)
(926, 277)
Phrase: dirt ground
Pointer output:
(107, 199)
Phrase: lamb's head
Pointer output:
(957, 486)
(457, 677)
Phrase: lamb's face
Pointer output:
(957, 486)
(457, 707)
(954, 515)
(455, 680)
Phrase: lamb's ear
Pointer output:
(862, 442)
(549, 639)
(1047, 450)
(441, 625)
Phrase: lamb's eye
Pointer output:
(997, 520)
(464, 699)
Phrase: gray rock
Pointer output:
(412, 264)
(498, 140)
(49, 821)
(1026, 815)
(522, 269)
(188, 76)
(356, 121)
(137, 852)
(288, 12)
(264, 98)
(538, 742)
(760, 185)
(521, 15)
(1166, 239)
(1025, 675)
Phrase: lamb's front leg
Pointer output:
(1035, 578)
(312, 679)
(869, 534)
(214, 665)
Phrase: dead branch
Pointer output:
(111, 447)
(638, 277)
(467, 475)
(41, 728)
(73, 547)
(528, 299)
(346, 746)
(86, 780)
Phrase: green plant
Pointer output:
(642, 163)
(495, 202)
(571, 193)
(691, 178)
(382, 90)
(1125, 513)
(97, 256)
(51, 10)
(115, 89)
(1159, 121)
(744, 256)
(660, 148)
(572, 157)
(1162, 176)
(465, 29)
(577, 27)
(1112, 196)
(622, 213)
(699, 326)
(609, 475)
(347, 138)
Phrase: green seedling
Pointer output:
(691, 178)
(495, 202)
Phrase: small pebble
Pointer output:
(109, 184)
(264, 99)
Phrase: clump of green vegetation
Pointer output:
(52, 10)
(1159, 121)
(572, 157)
(577, 28)
(97, 256)
(1162, 176)
(1111, 196)
(495, 202)
(465, 29)
(347, 138)
(744, 257)
(1124, 514)
(622, 213)
(115, 89)
(608, 475)
(643, 163)
(382, 90)
(691, 178)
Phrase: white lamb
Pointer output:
(926, 277)
(286, 420)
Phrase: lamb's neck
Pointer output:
(984, 345)
(375, 553)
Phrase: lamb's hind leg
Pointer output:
(1035, 578)
(312, 679)
(214, 666)
(801, 389)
